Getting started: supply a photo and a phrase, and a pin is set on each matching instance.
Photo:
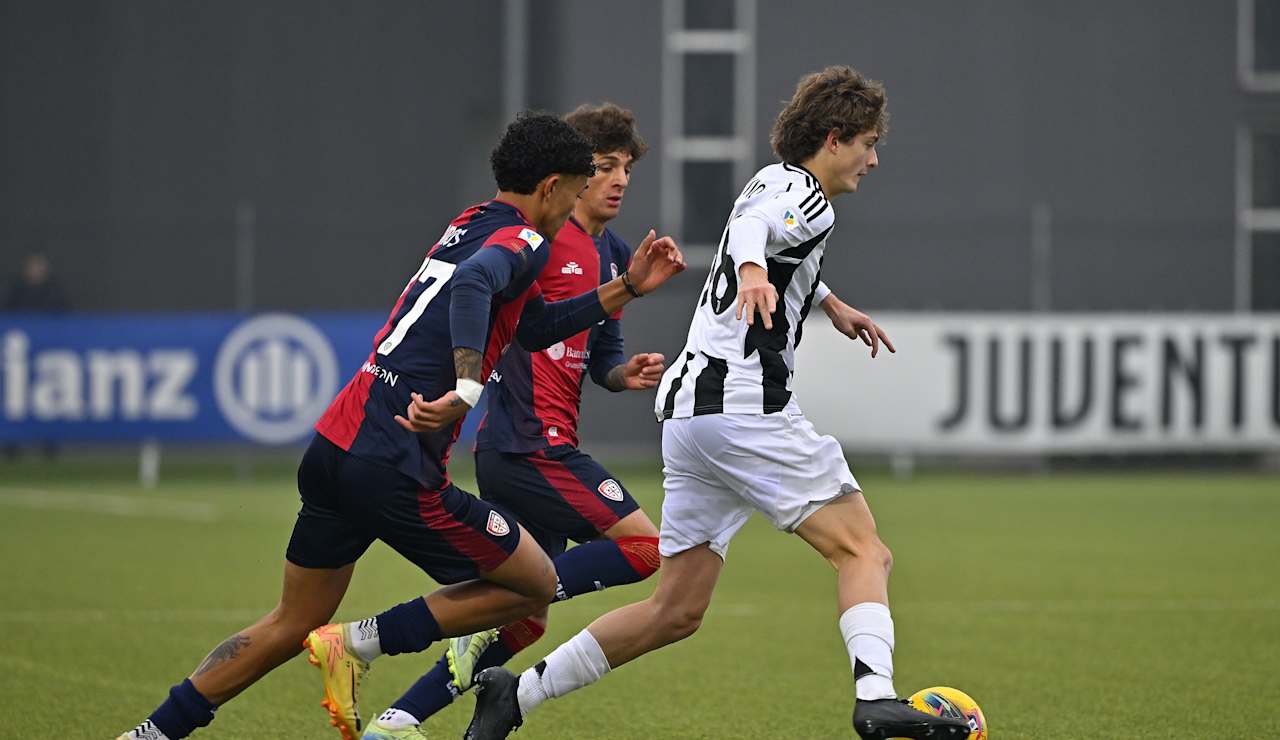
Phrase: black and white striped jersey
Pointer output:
(727, 367)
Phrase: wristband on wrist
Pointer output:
(626, 283)
(469, 391)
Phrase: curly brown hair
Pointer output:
(836, 98)
(609, 127)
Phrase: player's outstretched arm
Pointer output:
(641, 372)
(543, 324)
(610, 368)
(855, 324)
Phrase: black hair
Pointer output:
(536, 145)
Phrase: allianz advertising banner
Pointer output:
(1072, 383)
(197, 377)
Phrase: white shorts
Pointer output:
(717, 468)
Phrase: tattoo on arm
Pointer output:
(615, 380)
(467, 363)
(228, 650)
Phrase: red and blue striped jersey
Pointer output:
(534, 397)
(413, 352)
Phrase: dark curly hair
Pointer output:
(534, 146)
(835, 98)
(610, 128)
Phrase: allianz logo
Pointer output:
(273, 375)
(95, 384)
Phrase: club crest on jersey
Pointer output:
(789, 219)
(532, 238)
(497, 526)
(572, 268)
(610, 489)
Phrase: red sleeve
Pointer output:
(515, 239)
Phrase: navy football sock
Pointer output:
(407, 628)
(435, 690)
(596, 565)
(430, 694)
(185, 711)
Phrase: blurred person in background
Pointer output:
(35, 289)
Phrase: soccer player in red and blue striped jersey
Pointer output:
(527, 456)
(377, 467)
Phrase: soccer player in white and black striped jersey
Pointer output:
(734, 439)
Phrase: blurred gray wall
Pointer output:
(131, 131)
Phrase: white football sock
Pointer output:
(867, 629)
(574, 664)
(146, 731)
(394, 719)
(362, 639)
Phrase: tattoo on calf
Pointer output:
(228, 650)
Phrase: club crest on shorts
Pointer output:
(610, 489)
(497, 526)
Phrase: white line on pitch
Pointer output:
(65, 676)
(102, 503)
(102, 616)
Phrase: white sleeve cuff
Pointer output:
(820, 293)
(748, 237)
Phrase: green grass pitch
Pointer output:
(1069, 605)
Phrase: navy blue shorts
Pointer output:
(558, 494)
(348, 502)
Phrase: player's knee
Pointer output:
(682, 622)
(544, 588)
(290, 626)
(641, 553)
(677, 620)
(862, 550)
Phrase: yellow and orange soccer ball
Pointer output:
(945, 701)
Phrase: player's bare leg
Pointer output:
(673, 612)
(464, 657)
(635, 538)
(523, 584)
(308, 599)
(635, 524)
(844, 532)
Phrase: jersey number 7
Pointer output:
(438, 273)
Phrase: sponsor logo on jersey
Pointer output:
(613, 270)
(573, 268)
(381, 373)
(789, 219)
(610, 489)
(555, 351)
(497, 526)
(532, 238)
(553, 431)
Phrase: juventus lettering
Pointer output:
(726, 366)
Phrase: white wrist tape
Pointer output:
(469, 391)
